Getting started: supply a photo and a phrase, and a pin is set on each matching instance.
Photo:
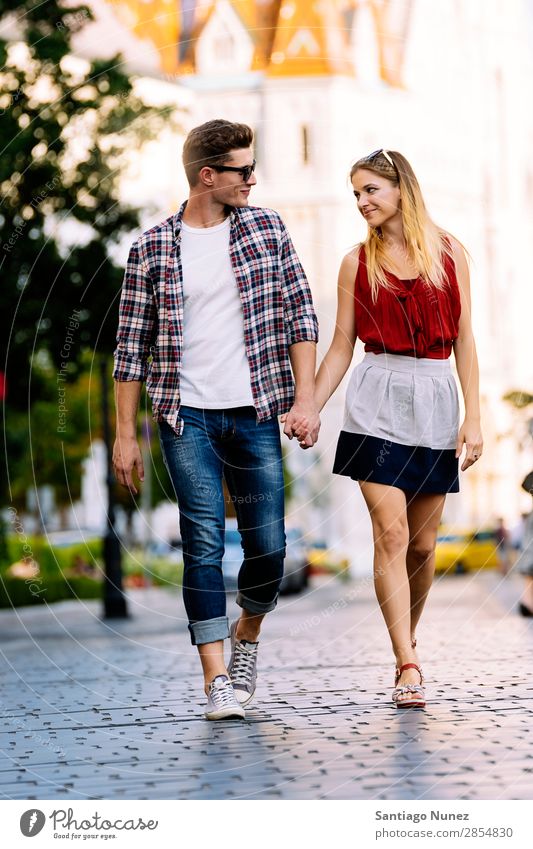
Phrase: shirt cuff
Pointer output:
(129, 368)
(302, 329)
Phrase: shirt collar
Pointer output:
(178, 218)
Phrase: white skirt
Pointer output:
(400, 424)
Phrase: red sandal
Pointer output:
(418, 698)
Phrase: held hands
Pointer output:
(469, 435)
(302, 421)
(126, 457)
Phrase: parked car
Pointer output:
(64, 539)
(325, 560)
(172, 551)
(296, 572)
(461, 550)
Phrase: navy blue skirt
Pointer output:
(413, 469)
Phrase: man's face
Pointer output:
(229, 187)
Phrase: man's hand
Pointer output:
(127, 456)
(302, 421)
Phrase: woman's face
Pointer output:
(377, 198)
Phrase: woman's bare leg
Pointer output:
(387, 506)
(423, 516)
(527, 595)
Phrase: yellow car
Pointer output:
(462, 550)
(324, 560)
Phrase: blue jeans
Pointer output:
(230, 444)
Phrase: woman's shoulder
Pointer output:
(350, 261)
(452, 246)
(457, 253)
(349, 270)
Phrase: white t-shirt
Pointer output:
(215, 373)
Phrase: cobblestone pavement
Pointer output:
(114, 710)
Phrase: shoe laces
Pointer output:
(221, 693)
(243, 663)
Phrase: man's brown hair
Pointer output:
(211, 143)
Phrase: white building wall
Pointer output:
(463, 118)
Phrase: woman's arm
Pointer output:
(466, 361)
(339, 356)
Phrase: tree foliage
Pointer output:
(66, 127)
(519, 398)
(43, 456)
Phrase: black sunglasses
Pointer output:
(246, 171)
(381, 152)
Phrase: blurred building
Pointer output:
(446, 83)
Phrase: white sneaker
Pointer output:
(221, 700)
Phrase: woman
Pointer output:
(405, 293)
(524, 563)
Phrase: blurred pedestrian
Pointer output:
(517, 532)
(81, 566)
(405, 292)
(502, 538)
(215, 310)
(524, 563)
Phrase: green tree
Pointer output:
(522, 399)
(66, 126)
(519, 399)
(44, 457)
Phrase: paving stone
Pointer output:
(91, 711)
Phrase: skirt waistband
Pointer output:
(422, 367)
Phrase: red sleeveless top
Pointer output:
(415, 320)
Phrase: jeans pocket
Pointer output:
(167, 434)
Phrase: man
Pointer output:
(217, 297)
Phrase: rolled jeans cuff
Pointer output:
(255, 606)
(209, 630)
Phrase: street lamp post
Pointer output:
(3, 468)
(113, 597)
(146, 493)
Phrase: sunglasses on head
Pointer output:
(245, 171)
(379, 152)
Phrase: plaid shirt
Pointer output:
(276, 303)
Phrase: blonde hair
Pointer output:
(426, 243)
